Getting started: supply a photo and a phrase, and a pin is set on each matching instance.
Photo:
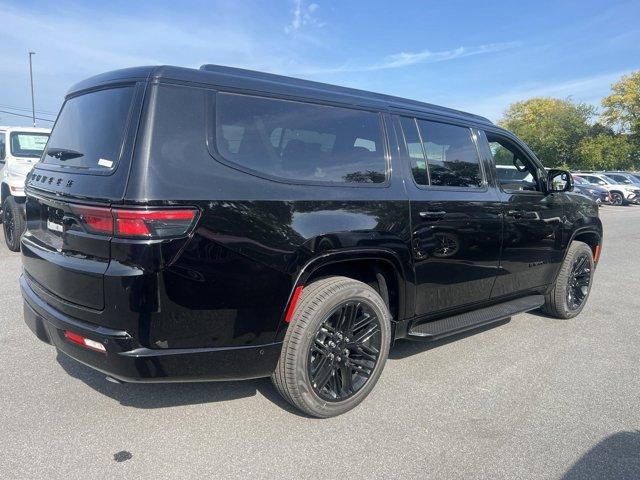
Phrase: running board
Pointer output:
(437, 329)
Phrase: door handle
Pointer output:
(431, 215)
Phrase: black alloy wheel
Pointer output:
(579, 282)
(13, 223)
(8, 223)
(335, 347)
(345, 351)
(568, 295)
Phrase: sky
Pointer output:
(474, 56)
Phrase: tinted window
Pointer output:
(414, 149)
(451, 155)
(90, 129)
(618, 178)
(300, 141)
(593, 180)
(25, 144)
(2, 146)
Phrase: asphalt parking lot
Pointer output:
(531, 398)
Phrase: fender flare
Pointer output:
(574, 234)
(389, 256)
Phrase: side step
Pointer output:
(437, 329)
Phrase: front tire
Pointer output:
(569, 294)
(13, 223)
(335, 347)
(617, 199)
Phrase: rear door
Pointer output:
(455, 216)
(83, 171)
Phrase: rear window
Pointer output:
(300, 141)
(25, 144)
(90, 128)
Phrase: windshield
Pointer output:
(90, 129)
(26, 144)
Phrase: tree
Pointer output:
(622, 106)
(606, 152)
(553, 128)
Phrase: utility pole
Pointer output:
(33, 103)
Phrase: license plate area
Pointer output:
(54, 227)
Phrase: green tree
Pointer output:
(553, 128)
(606, 152)
(622, 106)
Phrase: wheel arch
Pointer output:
(587, 235)
(380, 268)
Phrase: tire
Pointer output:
(560, 301)
(13, 223)
(307, 347)
(617, 199)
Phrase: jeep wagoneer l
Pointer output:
(215, 224)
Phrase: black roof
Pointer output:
(251, 80)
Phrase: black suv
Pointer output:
(215, 224)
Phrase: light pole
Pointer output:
(33, 104)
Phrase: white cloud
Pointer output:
(303, 15)
(405, 59)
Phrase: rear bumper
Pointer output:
(128, 361)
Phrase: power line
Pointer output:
(27, 116)
(42, 112)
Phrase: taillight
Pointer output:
(95, 219)
(149, 223)
(153, 223)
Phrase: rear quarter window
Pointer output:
(300, 141)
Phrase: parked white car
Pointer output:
(621, 194)
(20, 150)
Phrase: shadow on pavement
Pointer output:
(616, 457)
(161, 395)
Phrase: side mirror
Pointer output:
(559, 181)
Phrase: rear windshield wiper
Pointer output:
(63, 153)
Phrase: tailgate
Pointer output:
(61, 257)
(83, 171)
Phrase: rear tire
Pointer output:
(571, 291)
(321, 370)
(13, 223)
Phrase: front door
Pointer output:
(455, 217)
(532, 244)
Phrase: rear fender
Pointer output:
(345, 256)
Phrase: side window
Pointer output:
(514, 170)
(452, 158)
(593, 180)
(414, 148)
(300, 141)
(2, 147)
